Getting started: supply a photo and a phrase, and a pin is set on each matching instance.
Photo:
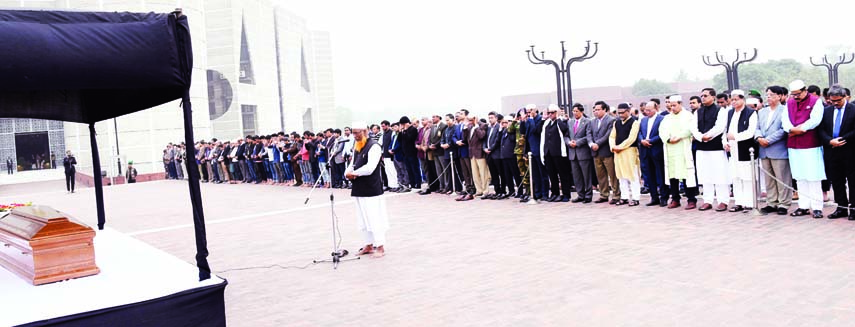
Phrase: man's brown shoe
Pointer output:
(691, 205)
(705, 207)
(673, 204)
(379, 252)
(368, 249)
(721, 207)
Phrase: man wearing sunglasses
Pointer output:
(837, 127)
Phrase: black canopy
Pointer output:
(86, 67)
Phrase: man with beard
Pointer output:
(803, 115)
(740, 127)
(372, 216)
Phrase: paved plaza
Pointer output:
(491, 263)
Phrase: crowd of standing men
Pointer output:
(798, 136)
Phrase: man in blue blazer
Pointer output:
(774, 159)
(651, 156)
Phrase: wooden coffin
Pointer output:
(43, 246)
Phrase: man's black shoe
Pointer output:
(565, 199)
(645, 190)
(839, 213)
(425, 192)
(587, 201)
(782, 211)
(768, 209)
(652, 203)
(577, 200)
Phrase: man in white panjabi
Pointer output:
(741, 124)
(367, 191)
(711, 159)
(803, 114)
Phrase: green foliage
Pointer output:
(650, 87)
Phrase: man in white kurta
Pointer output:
(710, 158)
(371, 214)
(741, 126)
(803, 114)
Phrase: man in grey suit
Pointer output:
(580, 154)
(604, 161)
(773, 156)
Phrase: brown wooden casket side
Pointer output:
(61, 249)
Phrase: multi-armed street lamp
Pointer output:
(564, 92)
(731, 69)
(833, 71)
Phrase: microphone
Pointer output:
(342, 141)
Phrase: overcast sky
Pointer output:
(443, 55)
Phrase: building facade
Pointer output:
(258, 69)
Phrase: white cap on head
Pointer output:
(752, 101)
(675, 98)
(797, 85)
(735, 93)
(359, 125)
(553, 106)
(530, 106)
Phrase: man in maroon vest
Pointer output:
(803, 115)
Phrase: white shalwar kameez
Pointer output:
(807, 165)
(371, 214)
(712, 166)
(740, 170)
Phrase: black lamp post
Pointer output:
(833, 72)
(564, 91)
(731, 69)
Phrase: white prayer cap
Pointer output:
(359, 125)
(675, 98)
(735, 93)
(553, 107)
(750, 101)
(797, 85)
(530, 106)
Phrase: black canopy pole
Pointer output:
(186, 62)
(196, 196)
(96, 176)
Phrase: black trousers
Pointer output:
(540, 177)
(840, 171)
(510, 176)
(433, 183)
(413, 171)
(559, 174)
(69, 180)
(495, 173)
(691, 192)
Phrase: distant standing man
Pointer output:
(367, 189)
(68, 162)
(9, 164)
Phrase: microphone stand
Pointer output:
(336, 255)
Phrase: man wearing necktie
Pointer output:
(837, 127)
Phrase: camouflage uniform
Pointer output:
(519, 151)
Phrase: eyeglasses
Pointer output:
(705, 95)
(797, 93)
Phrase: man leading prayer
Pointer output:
(367, 189)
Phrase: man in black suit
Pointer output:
(836, 128)
(491, 147)
(554, 155)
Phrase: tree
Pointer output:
(774, 72)
(650, 87)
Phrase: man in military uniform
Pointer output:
(518, 127)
